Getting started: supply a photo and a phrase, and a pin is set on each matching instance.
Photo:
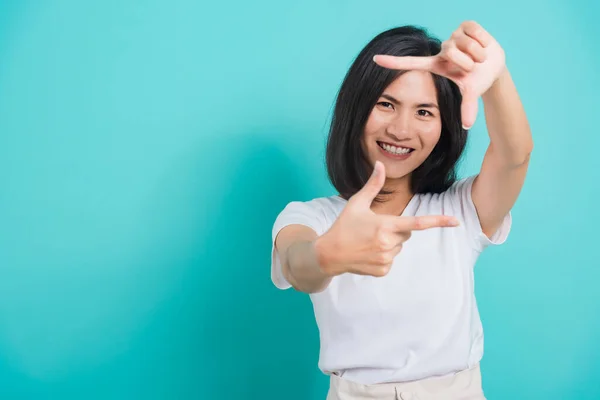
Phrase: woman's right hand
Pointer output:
(362, 242)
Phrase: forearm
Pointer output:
(510, 134)
(303, 268)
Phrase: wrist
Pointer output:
(323, 255)
(496, 87)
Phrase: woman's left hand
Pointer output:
(471, 58)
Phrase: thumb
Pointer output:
(468, 110)
(367, 194)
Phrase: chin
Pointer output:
(393, 170)
(397, 175)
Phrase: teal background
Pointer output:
(146, 148)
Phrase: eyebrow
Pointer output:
(423, 105)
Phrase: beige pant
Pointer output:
(464, 385)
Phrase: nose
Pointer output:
(399, 127)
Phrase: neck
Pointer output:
(396, 202)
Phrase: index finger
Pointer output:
(405, 63)
(477, 32)
(420, 223)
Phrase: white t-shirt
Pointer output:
(418, 321)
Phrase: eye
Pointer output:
(386, 104)
(425, 113)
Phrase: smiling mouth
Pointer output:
(395, 150)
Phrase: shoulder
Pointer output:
(458, 202)
(317, 213)
(315, 205)
(458, 192)
(459, 185)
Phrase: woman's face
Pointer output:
(405, 124)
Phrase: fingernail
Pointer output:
(466, 128)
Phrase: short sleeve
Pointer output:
(460, 194)
(302, 213)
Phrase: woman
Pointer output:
(388, 262)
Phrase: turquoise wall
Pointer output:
(146, 148)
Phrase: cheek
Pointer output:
(431, 134)
(378, 121)
(372, 126)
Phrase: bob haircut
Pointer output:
(347, 165)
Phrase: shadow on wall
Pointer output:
(224, 331)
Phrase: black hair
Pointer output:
(347, 164)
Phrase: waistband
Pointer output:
(466, 382)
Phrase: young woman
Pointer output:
(388, 262)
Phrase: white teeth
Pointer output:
(394, 149)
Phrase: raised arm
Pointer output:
(474, 60)
(496, 188)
